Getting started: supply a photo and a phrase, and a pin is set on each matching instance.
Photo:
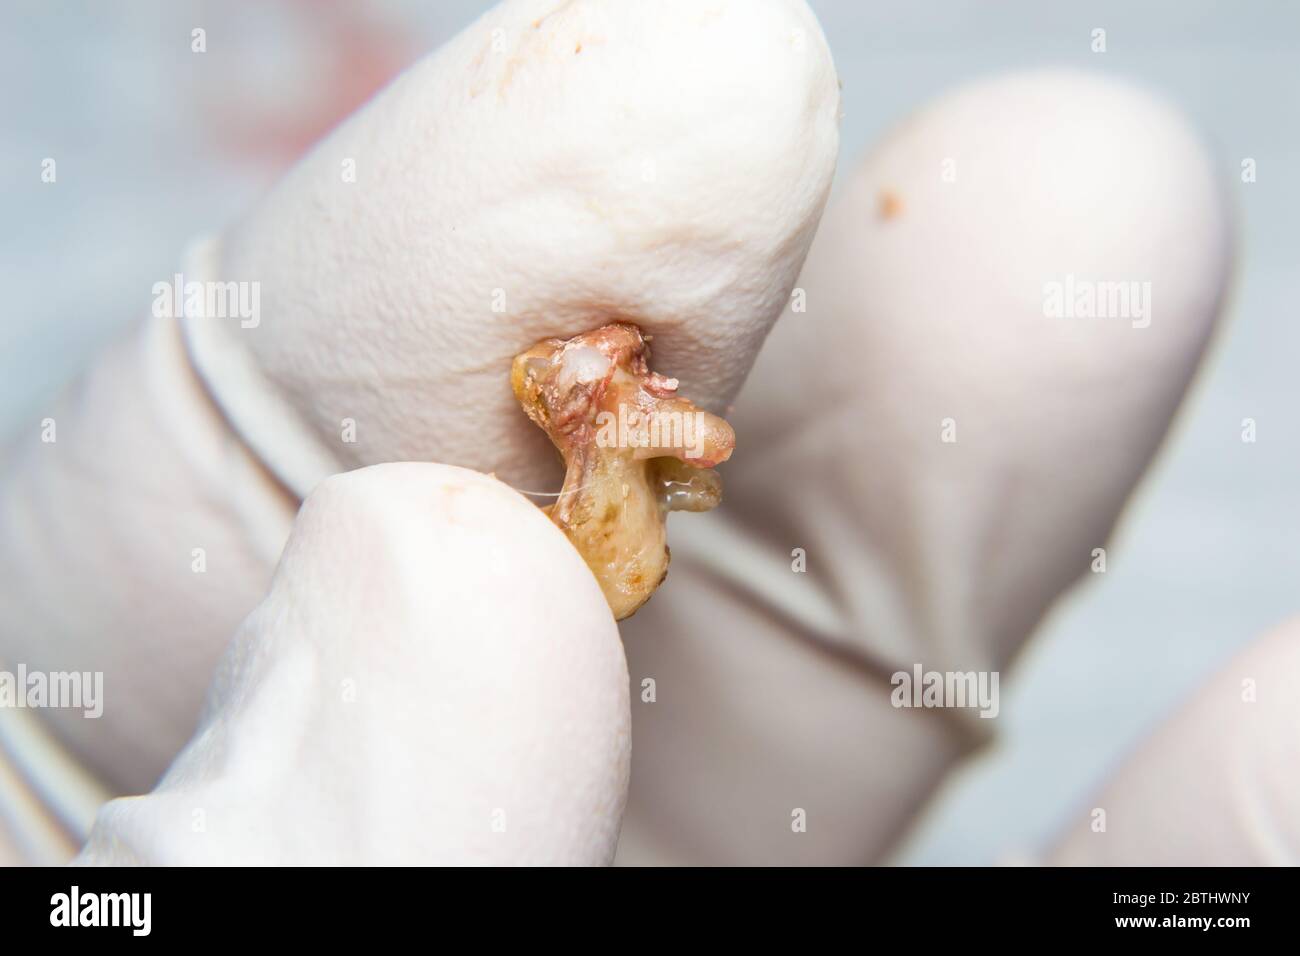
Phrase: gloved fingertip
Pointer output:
(434, 677)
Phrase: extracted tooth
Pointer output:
(633, 451)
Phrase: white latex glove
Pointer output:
(925, 302)
(565, 163)
(1217, 784)
(434, 678)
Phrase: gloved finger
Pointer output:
(938, 448)
(588, 160)
(1216, 784)
(136, 531)
(47, 796)
(552, 168)
(434, 677)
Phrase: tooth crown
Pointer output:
(633, 450)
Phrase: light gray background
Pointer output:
(1206, 556)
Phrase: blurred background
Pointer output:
(155, 145)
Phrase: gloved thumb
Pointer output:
(434, 677)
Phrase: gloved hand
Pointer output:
(434, 677)
(553, 167)
(944, 452)
(1215, 784)
(772, 687)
